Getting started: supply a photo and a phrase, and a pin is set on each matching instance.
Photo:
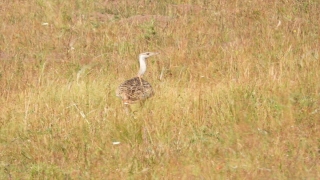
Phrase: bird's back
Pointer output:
(134, 90)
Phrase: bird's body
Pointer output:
(136, 89)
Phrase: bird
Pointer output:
(136, 89)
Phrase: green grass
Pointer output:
(238, 97)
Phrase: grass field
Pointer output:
(237, 89)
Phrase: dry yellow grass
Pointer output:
(238, 96)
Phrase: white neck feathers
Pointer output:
(143, 65)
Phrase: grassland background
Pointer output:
(237, 89)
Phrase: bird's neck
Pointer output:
(143, 66)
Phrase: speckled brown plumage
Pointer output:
(134, 90)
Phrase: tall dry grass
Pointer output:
(237, 90)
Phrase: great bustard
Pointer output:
(136, 89)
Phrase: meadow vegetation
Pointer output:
(237, 89)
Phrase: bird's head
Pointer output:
(145, 55)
